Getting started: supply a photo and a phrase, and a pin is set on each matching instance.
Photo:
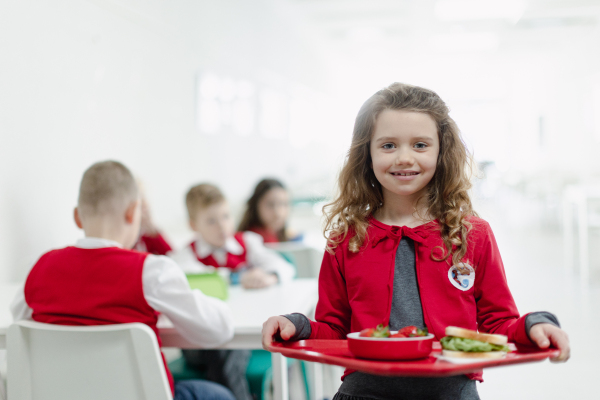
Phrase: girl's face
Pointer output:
(404, 151)
(274, 208)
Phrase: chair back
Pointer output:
(57, 362)
(306, 259)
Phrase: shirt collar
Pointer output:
(96, 243)
(204, 249)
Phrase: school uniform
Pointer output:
(241, 251)
(395, 280)
(97, 282)
(267, 235)
(153, 244)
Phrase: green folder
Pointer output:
(211, 284)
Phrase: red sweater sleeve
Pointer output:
(496, 308)
(333, 311)
(156, 244)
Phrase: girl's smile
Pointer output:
(404, 175)
(404, 152)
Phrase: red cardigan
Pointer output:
(355, 289)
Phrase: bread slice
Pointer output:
(482, 337)
(488, 355)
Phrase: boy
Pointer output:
(237, 256)
(217, 247)
(121, 285)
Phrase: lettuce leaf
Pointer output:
(470, 345)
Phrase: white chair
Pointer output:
(58, 362)
(306, 259)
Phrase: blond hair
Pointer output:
(106, 188)
(200, 197)
(360, 194)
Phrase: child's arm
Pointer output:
(333, 311)
(496, 309)
(204, 321)
(188, 262)
(156, 244)
(257, 278)
(268, 260)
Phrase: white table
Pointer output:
(250, 309)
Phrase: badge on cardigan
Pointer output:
(460, 279)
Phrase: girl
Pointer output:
(401, 229)
(267, 211)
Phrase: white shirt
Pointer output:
(257, 256)
(204, 321)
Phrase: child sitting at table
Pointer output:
(121, 285)
(216, 247)
(267, 212)
(151, 239)
(239, 256)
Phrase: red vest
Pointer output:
(74, 286)
(234, 261)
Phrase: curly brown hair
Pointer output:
(360, 194)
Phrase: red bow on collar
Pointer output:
(397, 232)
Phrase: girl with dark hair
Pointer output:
(267, 211)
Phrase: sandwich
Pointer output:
(465, 343)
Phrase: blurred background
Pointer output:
(233, 91)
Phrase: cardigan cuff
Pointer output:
(540, 317)
(302, 324)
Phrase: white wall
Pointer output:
(82, 81)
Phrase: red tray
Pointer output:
(336, 352)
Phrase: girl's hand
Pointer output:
(147, 226)
(544, 334)
(257, 278)
(274, 325)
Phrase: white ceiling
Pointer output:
(469, 24)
